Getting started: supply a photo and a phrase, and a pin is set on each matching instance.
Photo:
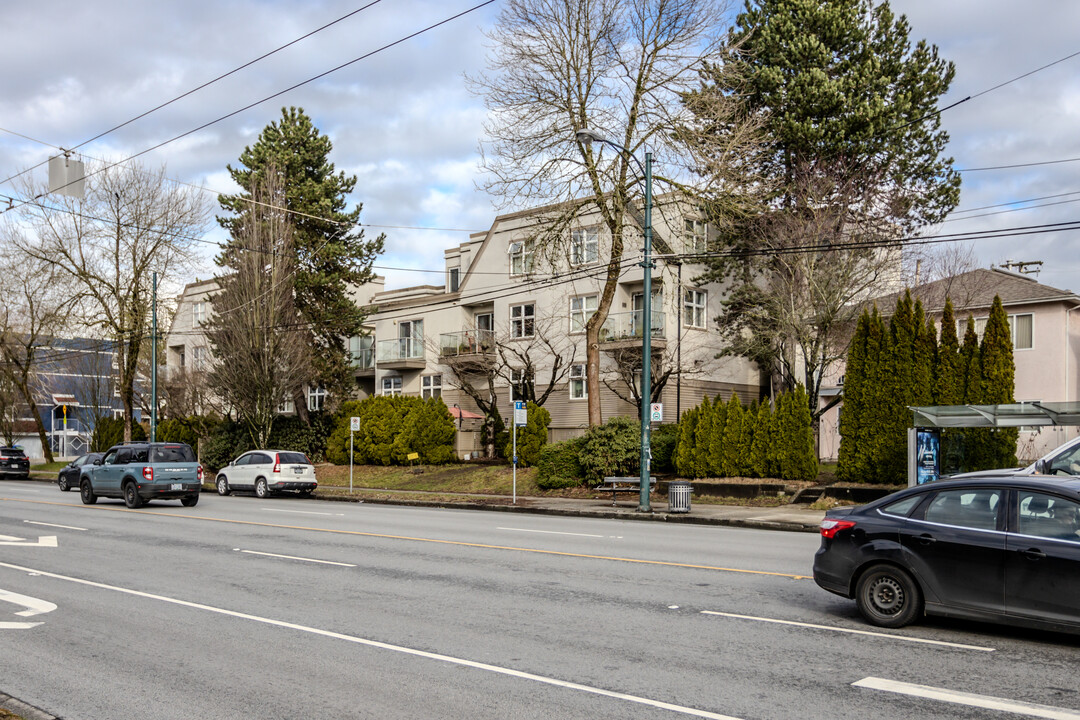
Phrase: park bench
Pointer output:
(624, 484)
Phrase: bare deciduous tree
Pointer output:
(133, 223)
(619, 67)
(261, 354)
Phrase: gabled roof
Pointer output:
(975, 290)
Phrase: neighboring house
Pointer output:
(75, 386)
(1046, 345)
(505, 310)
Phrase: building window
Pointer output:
(316, 397)
(520, 385)
(485, 321)
(455, 277)
(694, 308)
(581, 309)
(1020, 328)
(522, 320)
(578, 388)
(183, 357)
(430, 386)
(391, 386)
(584, 246)
(521, 257)
(286, 406)
(198, 358)
(198, 314)
(117, 414)
(695, 236)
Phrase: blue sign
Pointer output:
(927, 455)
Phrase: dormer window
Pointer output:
(521, 257)
(455, 279)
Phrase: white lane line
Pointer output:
(693, 712)
(986, 702)
(302, 512)
(852, 631)
(291, 557)
(549, 532)
(66, 527)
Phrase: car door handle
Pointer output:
(926, 539)
(1033, 554)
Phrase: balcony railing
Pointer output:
(363, 359)
(400, 349)
(627, 326)
(466, 342)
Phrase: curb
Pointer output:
(29, 712)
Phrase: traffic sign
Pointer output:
(355, 424)
(656, 412)
(521, 413)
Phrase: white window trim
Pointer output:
(695, 235)
(524, 319)
(395, 389)
(524, 251)
(578, 381)
(316, 396)
(980, 329)
(579, 316)
(429, 384)
(698, 302)
(584, 246)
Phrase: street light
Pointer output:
(586, 136)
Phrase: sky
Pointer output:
(404, 122)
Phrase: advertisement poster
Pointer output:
(927, 447)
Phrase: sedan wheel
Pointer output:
(86, 492)
(223, 485)
(63, 483)
(261, 488)
(888, 596)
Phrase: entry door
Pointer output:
(1042, 567)
(410, 338)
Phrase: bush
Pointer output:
(229, 440)
(611, 449)
(289, 432)
(662, 443)
(557, 465)
(391, 428)
(531, 438)
(110, 431)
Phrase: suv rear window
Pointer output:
(293, 458)
(12, 452)
(173, 453)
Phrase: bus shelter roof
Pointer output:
(1007, 415)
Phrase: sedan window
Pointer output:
(977, 509)
(1047, 516)
(1067, 463)
(903, 507)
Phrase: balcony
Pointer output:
(623, 331)
(466, 343)
(401, 354)
(362, 361)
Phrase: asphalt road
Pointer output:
(287, 608)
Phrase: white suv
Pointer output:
(268, 472)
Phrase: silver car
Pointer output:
(267, 472)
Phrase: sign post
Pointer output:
(354, 425)
(521, 417)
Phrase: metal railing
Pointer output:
(466, 342)
(628, 326)
(400, 349)
(363, 359)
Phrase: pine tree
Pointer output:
(732, 460)
(684, 450)
(998, 373)
(948, 388)
(853, 413)
(332, 254)
(759, 447)
(703, 439)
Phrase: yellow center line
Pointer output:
(461, 543)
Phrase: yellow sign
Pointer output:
(413, 456)
(65, 411)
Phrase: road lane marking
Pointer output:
(42, 541)
(550, 532)
(852, 631)
(986, 702)
(302, 512)
(66, 527)
(461, 662)
(292, 557)
(33, 607)
(384, 536)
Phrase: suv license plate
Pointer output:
(298, 471)
(178, 486)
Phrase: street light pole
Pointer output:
(585, 137)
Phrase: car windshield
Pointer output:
(292, 458)
(173, 453)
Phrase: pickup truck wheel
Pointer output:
(262, 490)
(190, 500)
(223, 485)
(131, 495)
(86, 492)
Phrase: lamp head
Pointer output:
(585, 136)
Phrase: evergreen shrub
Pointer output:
(558, 466)
(611, 449)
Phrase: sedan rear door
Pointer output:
(1042, 569)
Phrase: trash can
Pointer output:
(678, 496)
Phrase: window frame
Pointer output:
(430, 386)
(578, 382)
(695, 302)
(198, 313)
(584, 246)
(395, 390)
(579, 316)
(695, 236)
(980, 328)
(526, 321)
(523, 254)
(316, 396)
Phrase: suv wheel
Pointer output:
(190, 500)
(131, 495)
(223, 485)
(86, 492)
(262, 490)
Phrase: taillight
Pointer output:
(277, 463)
(198, 473)
(148, 473)
(831, 526)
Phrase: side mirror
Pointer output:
(231, 463)
(1042, 467)
(99, 461)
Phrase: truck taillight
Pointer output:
(277, 463)
(148, 473)
(198, 473)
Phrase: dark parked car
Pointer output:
(1002, 549)
(69, 474)
(13, 462)
(141, 471)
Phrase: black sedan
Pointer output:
(69, 474)
(1001, 549)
